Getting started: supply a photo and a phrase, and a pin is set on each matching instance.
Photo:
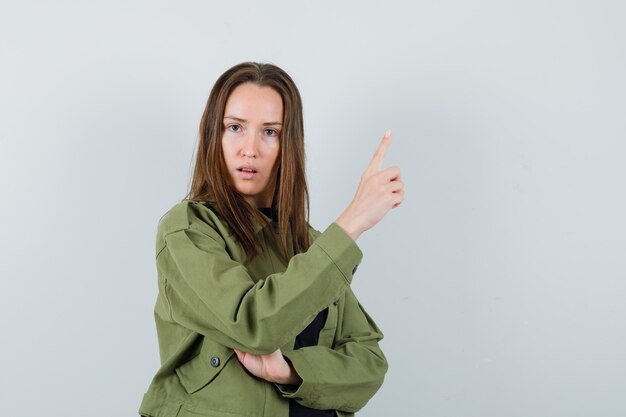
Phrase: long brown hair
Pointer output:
(211, 182)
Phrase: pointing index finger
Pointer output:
(379, 155)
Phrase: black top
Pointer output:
(308, 337)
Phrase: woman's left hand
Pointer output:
(272, 367)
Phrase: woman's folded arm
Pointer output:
(212, 294)
(346, 376)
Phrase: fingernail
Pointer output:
(388, 132)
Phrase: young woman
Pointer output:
(255, 315)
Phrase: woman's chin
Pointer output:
(249, 191)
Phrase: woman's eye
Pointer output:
(271, 132)
(233, 128)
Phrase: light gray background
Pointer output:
(499, 283)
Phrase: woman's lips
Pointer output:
(247, 175)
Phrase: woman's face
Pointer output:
(253, 120)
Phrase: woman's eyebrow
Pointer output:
(245, 121)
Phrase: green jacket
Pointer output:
(209, 303)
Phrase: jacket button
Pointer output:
(336, 301)
(215, 361)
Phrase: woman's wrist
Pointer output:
(348, 226)
(291, 377)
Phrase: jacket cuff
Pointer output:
(304, 393)
(341, 248)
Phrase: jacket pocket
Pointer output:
(203, 368)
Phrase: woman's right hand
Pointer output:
(378, 192)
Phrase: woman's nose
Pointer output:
(250, 145)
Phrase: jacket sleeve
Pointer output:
(213, 295)
(346, 376)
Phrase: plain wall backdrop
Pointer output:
(499, 283)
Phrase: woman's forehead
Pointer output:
(252, 103)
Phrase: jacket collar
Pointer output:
(258, 225)
(255, 223)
